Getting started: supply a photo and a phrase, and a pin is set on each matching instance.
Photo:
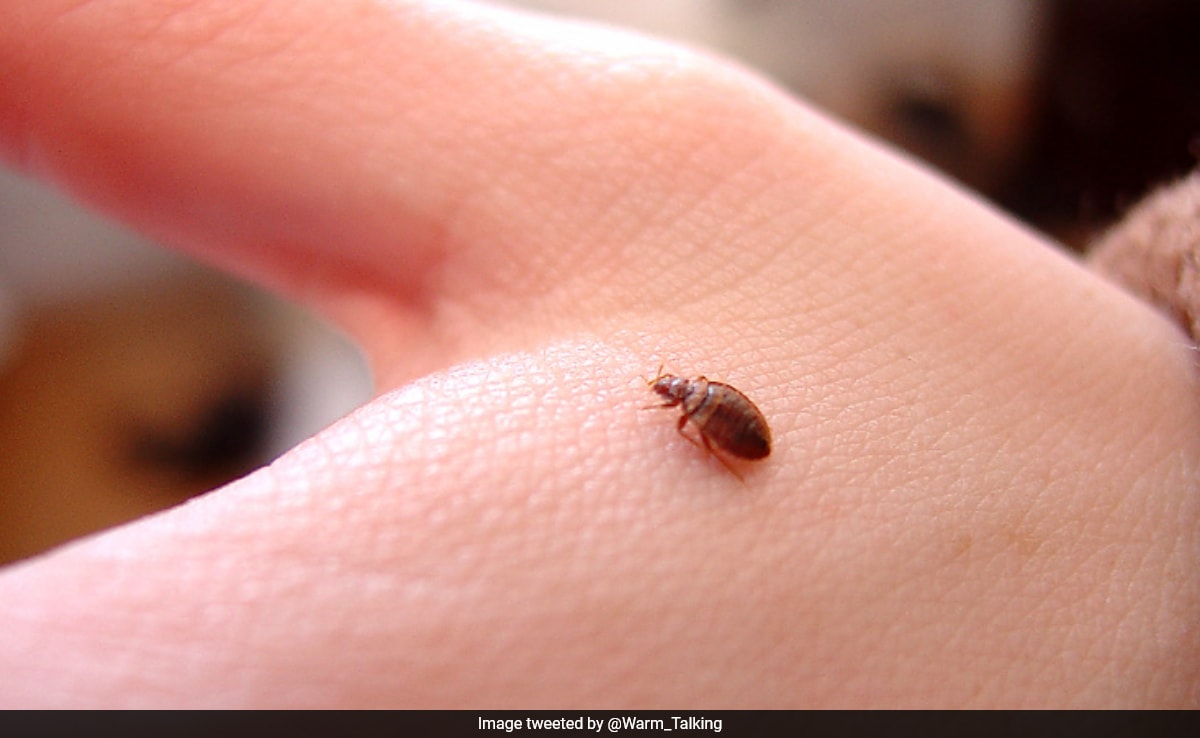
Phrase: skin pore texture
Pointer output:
(982, 489)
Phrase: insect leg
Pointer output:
(683, 419)
(711, 451)
(660, 407)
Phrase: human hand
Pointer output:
(982, 488)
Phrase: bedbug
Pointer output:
(723, 416)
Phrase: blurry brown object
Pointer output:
(1118, 112)
(127, 402)
(1155, 252)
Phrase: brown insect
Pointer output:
(723, 416)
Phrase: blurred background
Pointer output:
(131, 380)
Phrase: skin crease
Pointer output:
(982, 489)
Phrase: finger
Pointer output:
(456, 179)
(426, 152)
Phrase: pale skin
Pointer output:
(982, 487)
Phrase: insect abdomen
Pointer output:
(730, 421)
